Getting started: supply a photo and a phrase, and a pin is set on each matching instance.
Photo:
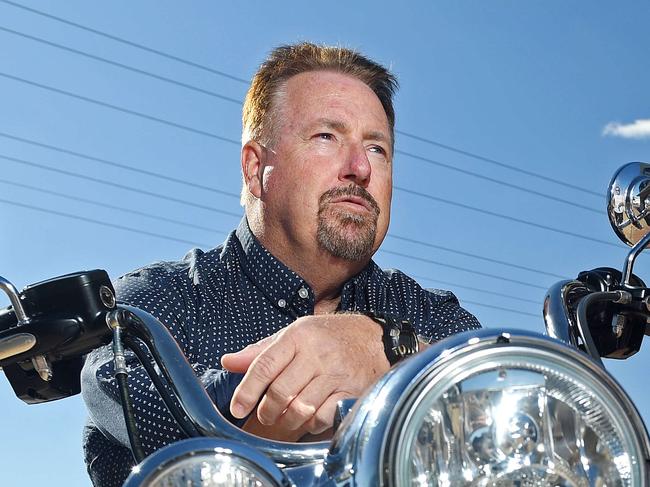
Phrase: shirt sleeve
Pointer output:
(152, 289)
(444, 316)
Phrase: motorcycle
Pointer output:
(482, 408)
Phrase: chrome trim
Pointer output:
(628, 202)
(195, 401)
(558, 319)
(186, 448)
(42, 366)
(361, 445)
(14, 297)
(631, 258)
(16, 344)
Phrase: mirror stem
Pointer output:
(631, 258)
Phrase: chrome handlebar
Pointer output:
(192, 396)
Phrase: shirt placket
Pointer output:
(302, 301)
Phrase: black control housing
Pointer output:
(617, 329)
(67, 317)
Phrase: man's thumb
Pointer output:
(239, 362)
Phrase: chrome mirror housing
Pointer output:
(628, 206)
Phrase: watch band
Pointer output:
(400, 339)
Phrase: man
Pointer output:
(291, 304)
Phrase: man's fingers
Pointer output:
(324, 417)
(281, 392)
(261, 373)
(306, 404)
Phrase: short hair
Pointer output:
(284, 62)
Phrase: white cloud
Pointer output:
(639, 129)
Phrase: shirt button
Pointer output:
(303, 293)
(282, 303)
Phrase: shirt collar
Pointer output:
(271, 276)
(278, 282)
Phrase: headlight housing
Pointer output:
(497, 409)
(207, 462)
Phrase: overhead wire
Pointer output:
(475, 256)
(190, 203)
(121, 109)
(103, 204)
(233, 100)
(506, 217)
(428, 160)
(245, 81)
(103, 223)
(121, 65)
(127, 42)
(498, 181)
(157, 235)
(132, 189)
(216, 136)
(500, 164)
(472, 288)
(459, 268)
(501, 308)
(119, 165)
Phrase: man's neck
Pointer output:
(324, 273)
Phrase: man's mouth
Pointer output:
(354, 202)
(354, 197)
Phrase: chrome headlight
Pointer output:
(497, 409)
(206, 462)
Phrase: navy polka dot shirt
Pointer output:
(217, 302)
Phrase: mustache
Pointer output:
(350, 190)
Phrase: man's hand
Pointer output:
(302, 371)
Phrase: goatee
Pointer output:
(347, 234)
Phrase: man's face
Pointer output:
(327, 179)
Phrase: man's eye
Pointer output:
(377, 149)
(325, 136)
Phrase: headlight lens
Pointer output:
(515, 416)
(206, 462)
(218, 469)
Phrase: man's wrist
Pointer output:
(399, 339)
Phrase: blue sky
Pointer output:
(556, 89)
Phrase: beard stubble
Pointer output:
(347, 234)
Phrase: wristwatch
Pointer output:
(400, 339)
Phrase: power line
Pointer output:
(209, 134)
(119, 186)
(103, 204)
(244, 81)
(139, 191)
(127, 42)
(121, 165)
(120, 109)
(500, 308)
(471, 288)
(103, 223)
(121, 65)
(451, 266)
(505, 217)
(475, 256)
(151, 234)
(190, 225)
(498, 163)
(238, 102)
(498, 181)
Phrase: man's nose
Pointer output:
(357, 167)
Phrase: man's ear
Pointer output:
(252, 165)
